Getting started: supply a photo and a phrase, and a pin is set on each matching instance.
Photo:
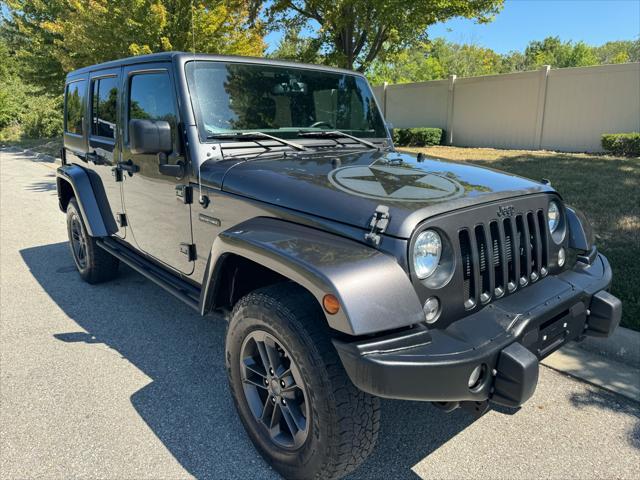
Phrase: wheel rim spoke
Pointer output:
(255, 367)
(78, 242)
(274, 389)
(263, 355)
(256, 383)
(272, 354)
(288, 418)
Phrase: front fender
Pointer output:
(374, 291)
(98, 222)
(580, 231)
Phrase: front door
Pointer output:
(159, 223)
(103, 153)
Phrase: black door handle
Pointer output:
(128, 167)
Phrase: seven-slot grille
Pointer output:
(503, 255)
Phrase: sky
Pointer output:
(592, 21)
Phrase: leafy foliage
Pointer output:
(23, 111)
(417, 137)
(51, 38)
(627, 144)
(437, 59)
(42, 40)
(353, 33)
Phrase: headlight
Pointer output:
(553, 216)
(426, 253)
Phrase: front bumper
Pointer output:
(505, 340)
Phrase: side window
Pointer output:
(151, 98)
(75, 95)
(103, 107)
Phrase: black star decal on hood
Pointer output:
(391, 182)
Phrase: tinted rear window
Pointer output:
(103, 108)
(75, 98)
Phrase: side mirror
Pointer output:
(148, 136)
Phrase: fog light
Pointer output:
(562, 256)
(431, 309)
(477, 376)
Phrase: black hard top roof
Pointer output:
(185, 56)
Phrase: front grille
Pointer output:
(502, 256)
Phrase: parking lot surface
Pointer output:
(121, 380)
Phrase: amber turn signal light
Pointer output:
(331, 304)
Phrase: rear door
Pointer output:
(158, 220)
(104, 138)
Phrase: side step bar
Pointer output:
(171, 283)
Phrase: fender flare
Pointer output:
(83, 190)
(375, 293)
(580, 231)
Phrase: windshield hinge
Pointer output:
(378, 224)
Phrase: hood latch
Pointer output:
(378, 224)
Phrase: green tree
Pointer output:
(410, 65)
(623, 51)
(293, 46)
(53, 37)
(353, 33)
(553, 51)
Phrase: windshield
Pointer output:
(233, 97)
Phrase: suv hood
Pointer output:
(347, 187)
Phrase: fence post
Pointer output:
(384, 100)
(542, 97)
(449, 129)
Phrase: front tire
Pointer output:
(296, 402)
(94, 264)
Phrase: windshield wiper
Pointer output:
(255, 136)
(337, 133)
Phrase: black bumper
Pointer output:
(505, 340)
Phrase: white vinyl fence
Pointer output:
(566, 109)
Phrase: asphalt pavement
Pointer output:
(122, 381)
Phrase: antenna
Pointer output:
(203, 200)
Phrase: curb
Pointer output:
(597, 370)
(623, 346)
(37, 156)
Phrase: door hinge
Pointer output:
(184, 193)
(121, 218)
(189, 249)
(117, 174)
(378, 224)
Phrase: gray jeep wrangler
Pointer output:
(349, 271)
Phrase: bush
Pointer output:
(417, 137)
(43, 118)
(627, 144)
(24, 112)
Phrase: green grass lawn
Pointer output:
(606, 189)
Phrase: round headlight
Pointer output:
(426, 253)
(553, 216)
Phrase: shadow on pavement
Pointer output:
(45, 185)
(595, 397)
(187, 403)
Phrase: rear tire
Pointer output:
(94, 264)
(336, 425)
